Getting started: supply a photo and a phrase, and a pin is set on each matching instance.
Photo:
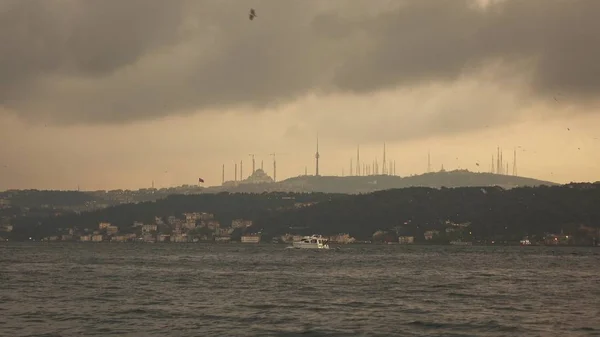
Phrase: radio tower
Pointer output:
(502, 162)
(383, 168)
(515, 163)
(274, 167)
(358, 160)
(317, 158)
(498, 161)
(428, 162)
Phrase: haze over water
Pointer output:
(265, 290)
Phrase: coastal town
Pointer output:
(202, 227)
(484, 216)
(191, 227)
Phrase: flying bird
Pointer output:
(252, 14)
(200, 180)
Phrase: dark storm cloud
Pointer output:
(433, 40)
(85, 38)
(81, 61)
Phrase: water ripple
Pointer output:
(266, 290)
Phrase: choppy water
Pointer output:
(266, 290)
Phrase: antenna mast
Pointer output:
(317, 157)
(515, 163)
(358, 160)
(428, 162)
(383, 164)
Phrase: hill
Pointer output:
(225, 206)
(372, 183)
(490, 212)
(260, 182)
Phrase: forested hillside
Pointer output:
(491, 211)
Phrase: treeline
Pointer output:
(301, 184)
(225, 206)
(37, 198)
(492, 212)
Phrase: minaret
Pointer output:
(351, 167)
(305, 170)
(261, 165)
(317, 158)
(492, 167)
(223, 175)
(235, 173)
(394, 167)
(241, 171)
(383, 168)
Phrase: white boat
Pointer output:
(311, 242)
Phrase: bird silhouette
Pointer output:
(252, 14)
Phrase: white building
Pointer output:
(251, 238)
(406, 240)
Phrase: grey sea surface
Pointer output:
(132, 289)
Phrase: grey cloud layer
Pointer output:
(115, 61)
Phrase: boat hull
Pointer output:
(304, 245)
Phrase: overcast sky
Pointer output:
(115, 94)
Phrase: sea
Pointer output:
(136, 289)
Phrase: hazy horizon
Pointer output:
(109, 95)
